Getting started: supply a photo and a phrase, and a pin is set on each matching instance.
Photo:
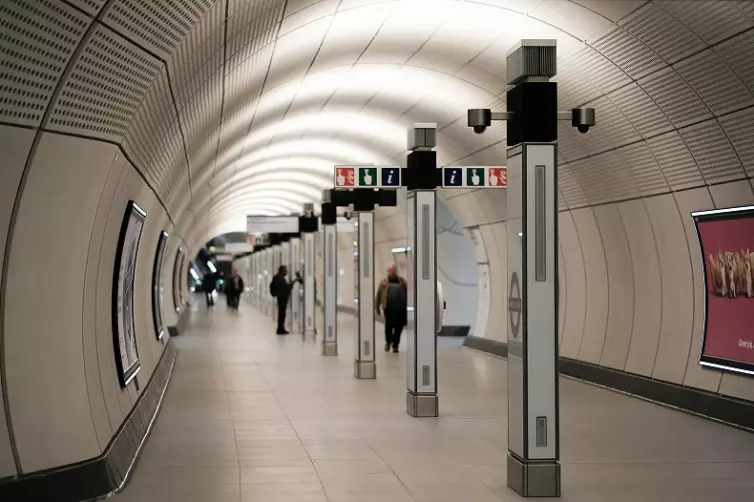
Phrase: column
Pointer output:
(296, 265)
(308, 273)
(330, 297)
(364, 363)
(533, 422)
(253, 279)
(286, 256)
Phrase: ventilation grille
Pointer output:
(154, 141)
(628, 53)
(676, 161)
(715, 83)
(573, 87)
(613, 129)
(158, 26)
(91, 7)
(662, 33)
(713, 152)
(739, 54)
(641, 111)
(645, 172)
(739, 127)
(711, 21)
(569, 187)
(105, 87)
(675, 98)
(37, 40)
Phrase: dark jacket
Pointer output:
(282, 287)
(230, 287)
(209, 283)
(400, 314)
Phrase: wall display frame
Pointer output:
(177, 296)
(726, 245)
(182, 276)
(124, 328)
(157, 287)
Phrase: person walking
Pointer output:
(233, 289)
(209, 284)
(280, 288)
(392, 299)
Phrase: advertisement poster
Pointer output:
(726, 242)
(176, 281)
(127, 354)
(157, 289)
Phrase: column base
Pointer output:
(422, 405)
(534, 479)
(365, 370)
(329, 348)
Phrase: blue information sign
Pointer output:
(391, 177)
(452, 176)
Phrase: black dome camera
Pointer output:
(583, 119)
(479, 119)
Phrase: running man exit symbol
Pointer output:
(452, 177)
(391, 177)
(367, 177)
(344, 177)
(475, 176)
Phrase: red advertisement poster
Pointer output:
(726, 241)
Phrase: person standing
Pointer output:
(233, 289)
(209, 284)
(392, 299)
(280, 288)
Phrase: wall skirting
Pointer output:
(183, 319)
(735, 412)
(102, 475)
(445, 331)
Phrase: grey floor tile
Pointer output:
(271, 474)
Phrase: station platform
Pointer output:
(251, 416)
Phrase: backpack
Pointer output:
(396, 296)
(273, 288)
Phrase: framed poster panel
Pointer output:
(124, 329)
(182, 273)
(176, 273)
(157, 289)
(726, 244)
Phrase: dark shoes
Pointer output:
(395, 349)
(387, 347)
(282, 332)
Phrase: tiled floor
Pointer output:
(254, 417)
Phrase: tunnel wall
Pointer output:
(630, 284)
(60, 266)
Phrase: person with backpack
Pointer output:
(392, 299)
(209, 285)
(280, 288)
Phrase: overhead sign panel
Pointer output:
(474, 177)
(272, 224)
(367, 177)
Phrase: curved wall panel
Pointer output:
(58, 205)
(575, 294)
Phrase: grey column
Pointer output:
(330, 296)
(296, 293)
(364, 362)
(286, 260)
(309, 299)
(421, 395)
(277, 257)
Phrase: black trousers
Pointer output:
(282, 311)
(210, 298)
(393, 329)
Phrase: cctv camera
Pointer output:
(583, 119)
(479, 119)
(348, 214)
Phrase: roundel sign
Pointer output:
(514, 305)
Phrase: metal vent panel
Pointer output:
(645, 172)
(712, 21)
(37, 40)
(674, 97)
(613, 171)
(640, 110)
(201, 122)
(91, 7)
(715, 83)
(571, 144)
(626, 51)
(199, 54)
(105, 87)
(746, 5)
(158, 26)
(562, 204)
(713, 152)
(739, 127)
(676, 161)
(569, 187)
(662, 33)
(738, 52)
(154, 141)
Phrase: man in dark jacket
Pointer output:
(392, 299)
(209, 284)
(280, 288)
(233, 289)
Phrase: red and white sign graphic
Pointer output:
(497, 177)
(345, 176)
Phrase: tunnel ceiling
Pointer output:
(233, 107)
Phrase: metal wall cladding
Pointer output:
(738, 128)
(711, 21)
(643, 113)
(676, 162)
(569, 187)
(628, 53)
(91, 7)
(37, 41)
(158, 26)
(713, 152)
(675, 97)
(105, 87)
(738, 53)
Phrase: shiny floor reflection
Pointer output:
(250, 416)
